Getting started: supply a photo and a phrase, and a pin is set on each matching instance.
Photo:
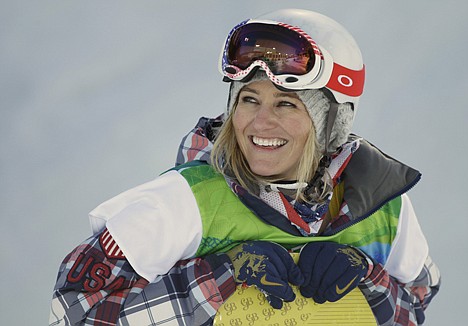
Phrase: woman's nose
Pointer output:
(264, 117)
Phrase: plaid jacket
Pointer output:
(97, 286)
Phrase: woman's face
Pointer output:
(271, 127)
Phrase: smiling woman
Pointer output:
(278, 171)
(271, 128)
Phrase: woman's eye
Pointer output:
(287, 104)
(248, 99)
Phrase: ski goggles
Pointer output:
(289, 56)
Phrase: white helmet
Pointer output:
(298, 50)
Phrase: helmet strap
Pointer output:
(228, 104)
(332, 113)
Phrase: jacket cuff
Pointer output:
(376, 277)
(223, 272)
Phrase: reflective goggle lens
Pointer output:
(282, 49)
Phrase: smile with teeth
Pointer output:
(268, 142)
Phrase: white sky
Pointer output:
(96, 95)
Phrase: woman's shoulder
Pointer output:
(196, 171)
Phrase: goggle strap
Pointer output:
(332, 113)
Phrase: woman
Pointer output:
(284, 172)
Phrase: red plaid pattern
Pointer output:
(399, 304)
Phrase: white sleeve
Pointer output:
(409, 248)
(155, 224)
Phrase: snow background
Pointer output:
(95, 96)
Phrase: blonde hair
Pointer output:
(227, 158)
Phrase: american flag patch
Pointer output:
(109, 246)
